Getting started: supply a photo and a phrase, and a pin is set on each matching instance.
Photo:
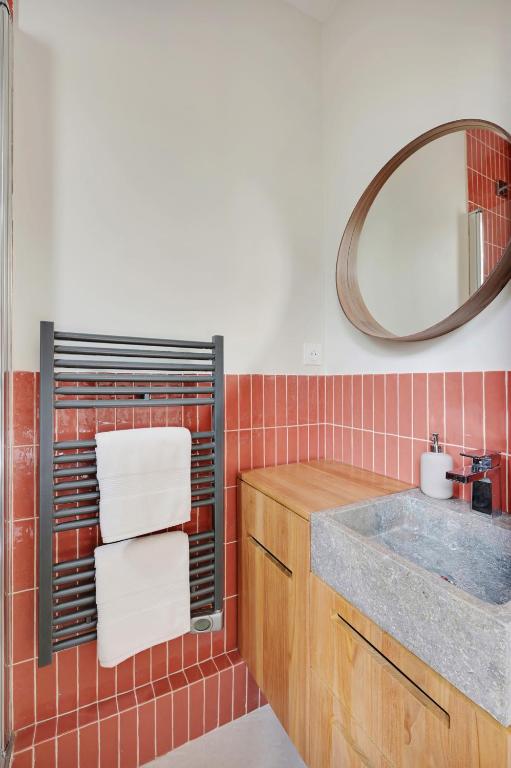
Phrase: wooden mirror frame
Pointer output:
(348, 289)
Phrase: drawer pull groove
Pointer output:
(266, 552)
(412, 688)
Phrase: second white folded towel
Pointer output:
(142, 594)
(144, 480)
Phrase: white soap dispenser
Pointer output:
(434, 465)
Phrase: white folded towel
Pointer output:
(142, 594)
(144, 480)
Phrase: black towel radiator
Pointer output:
(78, 372)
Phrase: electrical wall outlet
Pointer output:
(312, 354)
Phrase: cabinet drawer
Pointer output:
(271, 525)
(408, 727)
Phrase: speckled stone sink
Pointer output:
(433, 574)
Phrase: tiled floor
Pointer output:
(254, 741)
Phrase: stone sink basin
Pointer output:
(434, 575)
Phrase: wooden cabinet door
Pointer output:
(273, 611)
(336, 739)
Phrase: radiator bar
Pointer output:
(144, 341)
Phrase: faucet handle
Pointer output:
(486, 459)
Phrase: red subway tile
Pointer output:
(337, 400)
(269, 400)
(303, 400)
(108, 742)
(379, 403)
(303, 443)
(495, 410)
(231, 565)
(44, 754)
(146, 733)
(322, 398)
(23, 759)
(128, 739)
(193, 674)
(391, 456)
(45, 731)
(158, 661)
(196, 710)
(329, 399)
(23, 555)
(23, 694)
(367, 401)
(106, 682)
(292, 445)
(87, 663)
(245, 401)
(163, 725)
(405, 404)
(405, 460)
(313, 399)
(420, 405)
(281, 445)
(67, 669)
(313, 441)
(270, 448)
(177, 681)
(89, 714)
(180, 717)
(211, 685)
(337, 448)
(231, 402)
(473, 410)
(23, 480)
(418, 448)
(24, 738)
(280, 401)
(225, 697)
(357, 448)
(347, 401)
(347, 445)
(175, 655)
(89, 745)
(67, 750)
(126, 675)
(357, 401)
(252, 693)
(23, 413)
(189, 650)
(257, 448)
(379, 453)
(245, 450)
(292, 400)
(257, 401)
(231, 623)
(231, 458)
(240, 691)
(161, 687)
(23, 622)
(391, 405)
(436, 420)
(367, 450)
(453, 409)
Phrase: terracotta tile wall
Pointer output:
(383, 422)
(76, 713)
(489, 160)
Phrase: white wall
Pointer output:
(167, 175)
(390, 72)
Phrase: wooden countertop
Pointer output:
(316, 485)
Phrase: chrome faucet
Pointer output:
(484, 475)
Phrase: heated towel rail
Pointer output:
(81, 371)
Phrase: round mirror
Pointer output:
(428, 245)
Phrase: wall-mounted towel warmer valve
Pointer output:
(83, 372)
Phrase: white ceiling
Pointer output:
(318, 9)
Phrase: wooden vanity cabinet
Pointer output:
(374, 704)
(273, 612)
